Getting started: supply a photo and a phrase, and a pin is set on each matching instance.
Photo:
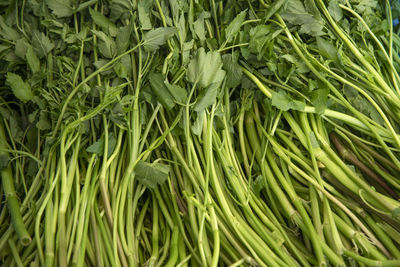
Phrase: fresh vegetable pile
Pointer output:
(199, 133)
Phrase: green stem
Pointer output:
(10, 194)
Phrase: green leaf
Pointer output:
(151, 175)
(120, 70)
(60, 8)
(103, 22)
(258, 184)
(233, 28)
(197, 126)
(276, 5)
(233, 70)
(33, 60)
(207, 98)
(301, 67)
(123, 38)
(205, 69)
(21, 89)
(98, 146)
(335, 11)
(43, 125)
(326, 48)
(8, 32)
(258, 38)
(144, 14)
(198, 26)
(152, 40)
(295, 13)
(41, 44)
(106, 45)
(284, 102)
(161, 91)
(21, 46)
(319, 99)
(179, 93)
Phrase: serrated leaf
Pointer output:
(41, 44)
(152, 40)
(233, 28)
(161, 91)
(151, 175)
(103, 22)
(205, 69)
(284, 102)
(33, 60)
(61, 8)
(21, 89)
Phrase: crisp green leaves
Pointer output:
(8, 32)
(144, 14)
(106, 45)
(207, 98)
(233, 28)
(41, 44)
(103, 22)
(152, 40)
(301, 67)
(43, 125)
(276, 5)
(205, 69)
(178, 93)
(151, 174)
(161, 91)
(98, 146)
(123, 38)
(284, 102)
(233, 71)
(295, 13)
(197, 126)
(198, 26)
(33, 60)
(60, 8)
(21, 89)
(319, 99)
(326, 48)
(335, 11)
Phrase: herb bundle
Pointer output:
(199, 133)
